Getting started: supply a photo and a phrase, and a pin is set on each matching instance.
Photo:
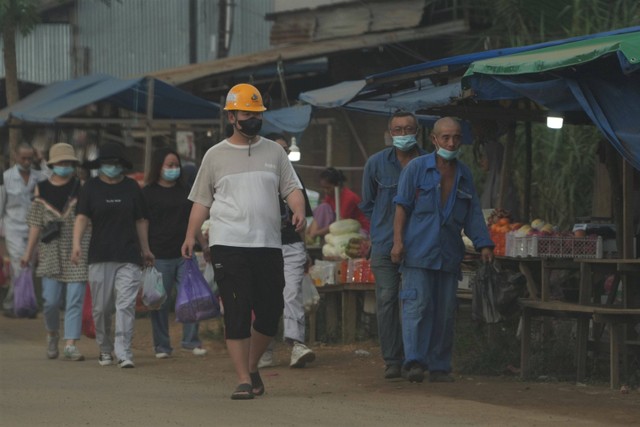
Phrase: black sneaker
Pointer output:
(391, 372)
(105, 359)
(416, 373)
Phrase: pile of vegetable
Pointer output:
(345, 241)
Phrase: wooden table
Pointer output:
(584, 311)
(347, 296)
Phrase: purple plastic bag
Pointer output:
(195, 300)
(24, 296)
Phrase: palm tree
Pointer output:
(15, 15)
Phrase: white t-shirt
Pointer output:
(241, 186)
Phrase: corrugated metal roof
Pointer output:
(133, 37)
(250, 29)
(185, 74)
(44, 55)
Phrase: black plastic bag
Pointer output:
(495, 292)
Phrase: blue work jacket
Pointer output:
(432, 235)
(379, 187)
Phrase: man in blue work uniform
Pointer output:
(379, 186)
(436, 200)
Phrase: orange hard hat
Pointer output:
(244, 97)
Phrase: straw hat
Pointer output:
(62, 152)
(110, 151)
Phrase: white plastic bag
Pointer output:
(209, 276)
(153, 292)
(310, 295)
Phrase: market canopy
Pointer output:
(382, 93)
(63, 100)
(598, 76)
(290, 119)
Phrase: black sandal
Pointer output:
(242, 392)
(256, 384)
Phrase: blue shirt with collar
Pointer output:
(379, 187)
(432, 235)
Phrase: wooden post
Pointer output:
(355, 135)
(526, 211)
(505, 171)
(329, 156)
(148, 137)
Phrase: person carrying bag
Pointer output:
(51, 221)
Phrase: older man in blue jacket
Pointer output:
(436, 200)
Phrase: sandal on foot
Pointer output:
(242, 392)
(256, 384)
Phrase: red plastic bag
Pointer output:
(140, 307)
(88, 327)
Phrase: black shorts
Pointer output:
(249, 280)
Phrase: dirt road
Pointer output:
(339, 389)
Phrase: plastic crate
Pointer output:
(467, 278)
(553, 246)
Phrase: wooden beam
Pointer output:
(185, 74)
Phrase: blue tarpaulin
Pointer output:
(290, 119)
(599, 76)
(59, 99)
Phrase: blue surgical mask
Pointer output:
(63, 171)
(24, 168)
(170, 174)
(448, 155)
(404, 142)
(111, 171)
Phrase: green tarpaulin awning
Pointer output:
(561, 56)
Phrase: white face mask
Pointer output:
(404, 142)
(448, 155)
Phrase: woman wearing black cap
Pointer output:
(119, 245)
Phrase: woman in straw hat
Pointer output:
(51, 221)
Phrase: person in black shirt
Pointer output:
(166, 198)
(119, 246)
(294, 255)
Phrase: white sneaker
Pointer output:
(196, 351)
(199, 351)
(266, 360)
(126, 363)
(301, 355)
(71, 352)
(162, 355)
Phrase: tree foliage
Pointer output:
(563, 161)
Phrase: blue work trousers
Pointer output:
(428, 317)
(387, 276)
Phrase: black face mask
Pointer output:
(250, 127)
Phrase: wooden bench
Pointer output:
(612, 316)
(346, 295)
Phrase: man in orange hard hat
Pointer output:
(237, 187)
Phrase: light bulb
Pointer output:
(294, 151)
(554, 121)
